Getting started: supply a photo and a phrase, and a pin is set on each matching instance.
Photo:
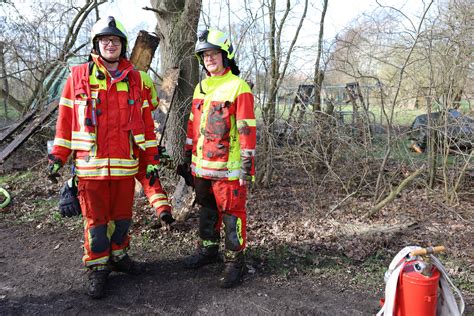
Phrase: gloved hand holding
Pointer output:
(53, 168)
(166, 217)
(152, 173)
(68, 202)
(165, 158)
(184, 169)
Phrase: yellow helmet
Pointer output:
(213, 39)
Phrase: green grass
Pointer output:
(24, 176)
(402, 116)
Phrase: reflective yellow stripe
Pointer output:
(93, 162)
(151, 143)
(85, 136)
(78, 145)
(123, 162)
(66, 102)
(145, 104)
(101, 260)
(62, 142)
(157, 204)
(221, 174)
(191, 116)
(104, 172)
(157, 196)
(250, 122)
(202, 163)
(123, 172)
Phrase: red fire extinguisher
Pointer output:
(414, 290)
(417, 290)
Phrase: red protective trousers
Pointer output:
(222, 201)
(155, 193)
(107, 210)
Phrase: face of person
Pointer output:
(110, 47)
(213, 62)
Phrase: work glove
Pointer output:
(184, 170)
(165, 158)
(53, 168)
(166, 217)
(152, 173)
(68, 202)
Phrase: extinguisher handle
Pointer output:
(427, 251)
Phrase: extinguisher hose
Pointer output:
(7, 198)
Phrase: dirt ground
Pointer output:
(41, 274)
(301, 261)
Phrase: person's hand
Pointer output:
(166, 217)
(184, 170)
(152, 173)
(54, 164)
(68, 202)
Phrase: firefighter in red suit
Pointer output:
(219, 152)
(105, 122)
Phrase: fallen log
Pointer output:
(394, 193)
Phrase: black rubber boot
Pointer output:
(235, 269)
(126, 265)
(97, 281)
(202, 257)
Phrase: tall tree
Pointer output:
(177, 28)
(279, 62)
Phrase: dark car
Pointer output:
(459, 130)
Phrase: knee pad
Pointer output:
(98, 240)
(233, 232)
(207, 224)
(120, 231)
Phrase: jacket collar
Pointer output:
(124, 67)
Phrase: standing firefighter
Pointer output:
(220, 151)
(105, 122)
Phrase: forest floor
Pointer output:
(302, 258)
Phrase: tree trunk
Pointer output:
(3, 73)
(176, 28)
(318, 74)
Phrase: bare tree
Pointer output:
(40, 45)
(177, 26)
(278, 66)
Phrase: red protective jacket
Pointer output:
(105, 122)
(221, 131)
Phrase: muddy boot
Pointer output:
(125, 265)
(235, 269)
(97, 281)
(203, 256)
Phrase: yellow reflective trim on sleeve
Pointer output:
(145, 104)
(66, 102)
(62, 142)
(151, 143)
(84, 136)
(191, 116)
(249, 122)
